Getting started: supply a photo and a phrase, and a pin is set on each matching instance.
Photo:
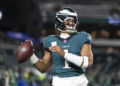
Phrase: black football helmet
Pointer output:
(66, 14)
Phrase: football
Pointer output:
(24, 51)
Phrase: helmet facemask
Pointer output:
(70, 24)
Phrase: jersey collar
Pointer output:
(65, 39)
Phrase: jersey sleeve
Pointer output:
(46, 44)
(87, 38)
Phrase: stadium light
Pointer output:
(0, 15)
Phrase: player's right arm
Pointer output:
(44, 64)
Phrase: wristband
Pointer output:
(33, 59)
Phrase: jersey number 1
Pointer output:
(66, 62)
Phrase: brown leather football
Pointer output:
(24, 51)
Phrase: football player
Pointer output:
(69, 52)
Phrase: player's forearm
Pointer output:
(86, 51)
(39, 64)
(90, 57)
(90, 60)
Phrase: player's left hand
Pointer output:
(58, 50)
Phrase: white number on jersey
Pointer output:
(66, 62)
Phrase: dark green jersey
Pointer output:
(73, 45)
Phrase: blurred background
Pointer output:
(34, 20)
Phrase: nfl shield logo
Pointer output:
(65, 41)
